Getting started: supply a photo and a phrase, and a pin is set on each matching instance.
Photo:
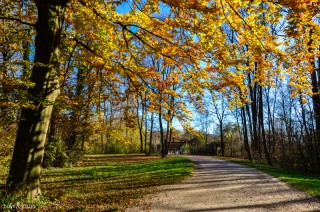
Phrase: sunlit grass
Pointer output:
(304, 182)
(114, 184)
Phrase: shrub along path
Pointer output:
(218, 185)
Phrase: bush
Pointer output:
(114, 147)
(7, 139)
(55, 154)
(74, 156)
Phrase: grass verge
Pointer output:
(109, 183)
(304, 182)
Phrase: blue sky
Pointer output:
(124, 7)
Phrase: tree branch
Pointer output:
(17, 20)
(86, 47)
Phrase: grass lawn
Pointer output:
(304, 182)
(109, 183)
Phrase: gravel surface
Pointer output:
(218, 185)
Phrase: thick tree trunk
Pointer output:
(316, 110)
(28, 153)
(315, 98)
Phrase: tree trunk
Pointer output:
(245, 134)
(151, 133)
(315, 98)
(72, 140)
(221, 138)
(254, 116)
(271, 127)
(316, 110)
(28, 152)
(5, 90)
(264, 140)
(163, 144)
(145, 133)
(140, 125)
(167, 140)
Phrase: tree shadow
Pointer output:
(254, 207)
(213, 176)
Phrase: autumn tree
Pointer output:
(88, 50)
(99, 44)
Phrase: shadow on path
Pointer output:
(218, 185)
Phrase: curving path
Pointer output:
(218, 185)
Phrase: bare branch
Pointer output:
(86, 47)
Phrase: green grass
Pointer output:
(118, 181)
(304, 182)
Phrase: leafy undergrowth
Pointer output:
(109, 183)
(304, 182)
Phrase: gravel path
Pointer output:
(218, 185)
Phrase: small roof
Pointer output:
(175, 145)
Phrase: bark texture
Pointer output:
(26, 164)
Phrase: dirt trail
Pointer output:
(218, 185)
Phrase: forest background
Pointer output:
(240, 77)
